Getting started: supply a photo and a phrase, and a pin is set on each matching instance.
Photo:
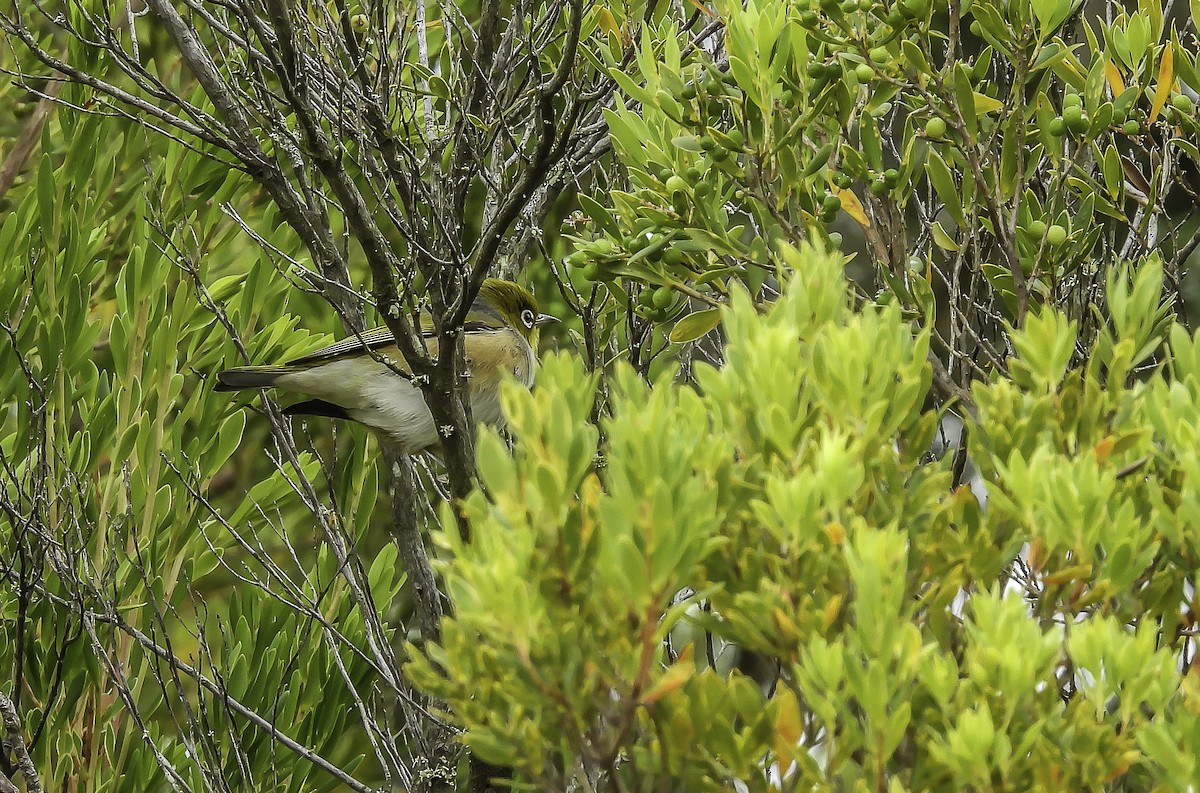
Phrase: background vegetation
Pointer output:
(736, 539)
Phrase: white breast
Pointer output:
(376, 396)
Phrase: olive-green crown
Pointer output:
(508, 303)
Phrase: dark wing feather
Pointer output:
(316, 407)
(374, 339)
(370, 340)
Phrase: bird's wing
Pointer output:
(354, 345)
(374, 339)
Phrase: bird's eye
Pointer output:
(528, 318)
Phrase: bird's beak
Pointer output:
(545, 319)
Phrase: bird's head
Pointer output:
(513, 305)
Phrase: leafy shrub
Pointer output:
(917, 646)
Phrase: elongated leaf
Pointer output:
(943, 184)
(852, 206)
(1166, 79)
(868, 135)
(965, 97)
(942, 238)
(1113, 75)
(695, 325)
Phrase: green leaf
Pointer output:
(872, 148)
(943, 184)
(964, 94)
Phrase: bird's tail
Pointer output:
(244, 377)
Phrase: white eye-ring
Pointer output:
(528, 318)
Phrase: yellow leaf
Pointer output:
(788, 727)
(853, 206)
(672, 680)
(1166, 79)
(1114, 78)
(985, 104)
(608, 23)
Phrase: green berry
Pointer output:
(816, 70)
(736, 137)
(842, 180)
(864, 73)
(664, 296)
(1131, 127)
(891, 177)
(809, 19)
(878, 186)
(677, 184)
(708, 144)
(591, 272)
(720, 154)
(1057, 127)
(702, 190)
(1075, 119)
(831, 203)
(880, 55)
(935, 128)
(1037, 228)
(1183, 103)
(1056, 235)
(1072, 100)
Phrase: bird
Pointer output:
(348, 379)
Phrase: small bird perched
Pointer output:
(345, 380)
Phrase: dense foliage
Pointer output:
(791, 493)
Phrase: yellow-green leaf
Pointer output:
(1166, 79)
(695, 325)
(942, 239)
(852, 206)
(1114, 78)
(672, 680)
(608, 23)
(788, 725)
(985, 104)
